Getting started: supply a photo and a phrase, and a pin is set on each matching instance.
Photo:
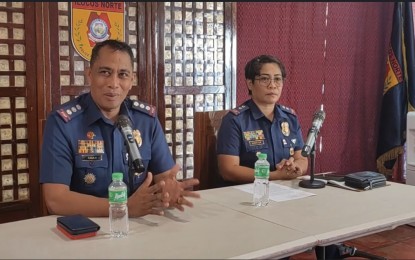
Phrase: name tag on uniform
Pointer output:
(255, 137)
(95, 157)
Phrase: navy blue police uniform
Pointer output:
(81, 148)
(245, 131)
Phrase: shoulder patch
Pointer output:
(238, 110)
(289, 110)
(69, 111)
(144, 107)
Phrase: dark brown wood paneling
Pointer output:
(20, 195)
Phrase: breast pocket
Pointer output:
(91, 176)
(144, 152)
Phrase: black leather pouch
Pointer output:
(365, 180)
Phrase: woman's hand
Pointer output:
(289, 168)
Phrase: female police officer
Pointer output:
(260, 125)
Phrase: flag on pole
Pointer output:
(399, 88)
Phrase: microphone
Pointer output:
(318, 119)
(125, 126)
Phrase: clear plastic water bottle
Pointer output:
(261, 183)
(118, 210)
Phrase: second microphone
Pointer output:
(318, 119)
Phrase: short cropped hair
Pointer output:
(116, 45)
(254, 66)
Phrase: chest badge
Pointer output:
(285, 128)
(91, 146)
(90, 135)
(137, 137)
(254, 138)
(291, 151)
(90, 178)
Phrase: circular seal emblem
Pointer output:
(99, 29)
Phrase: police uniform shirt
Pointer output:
(82, 148)
(245, 131)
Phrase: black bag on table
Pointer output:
(365, 180)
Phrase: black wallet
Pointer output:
(77, 225)
(365, 180)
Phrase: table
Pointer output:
(223, 224)
(334, 214)
(208, 231)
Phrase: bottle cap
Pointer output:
(262, 156)
(117, 176)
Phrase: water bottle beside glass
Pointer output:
(118, 210)
(261, 183)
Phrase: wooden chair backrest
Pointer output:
(205, 162)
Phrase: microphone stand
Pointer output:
(311, 183)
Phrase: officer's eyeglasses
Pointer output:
(266, 81)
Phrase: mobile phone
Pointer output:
(77, 226)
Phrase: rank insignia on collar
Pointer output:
(285, 128)
(66, 117)
(90, 178)
(90, 135)
(137, 137)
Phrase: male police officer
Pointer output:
(82, 145)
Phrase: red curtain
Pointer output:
(351, 65)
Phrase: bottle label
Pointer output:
(262, 171)
(118, 196)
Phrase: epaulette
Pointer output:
(287, 109)
(144, 107)
(238, 110)
(70, 110)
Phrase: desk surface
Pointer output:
(223, 224)
(334, 214)
(208, 230)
